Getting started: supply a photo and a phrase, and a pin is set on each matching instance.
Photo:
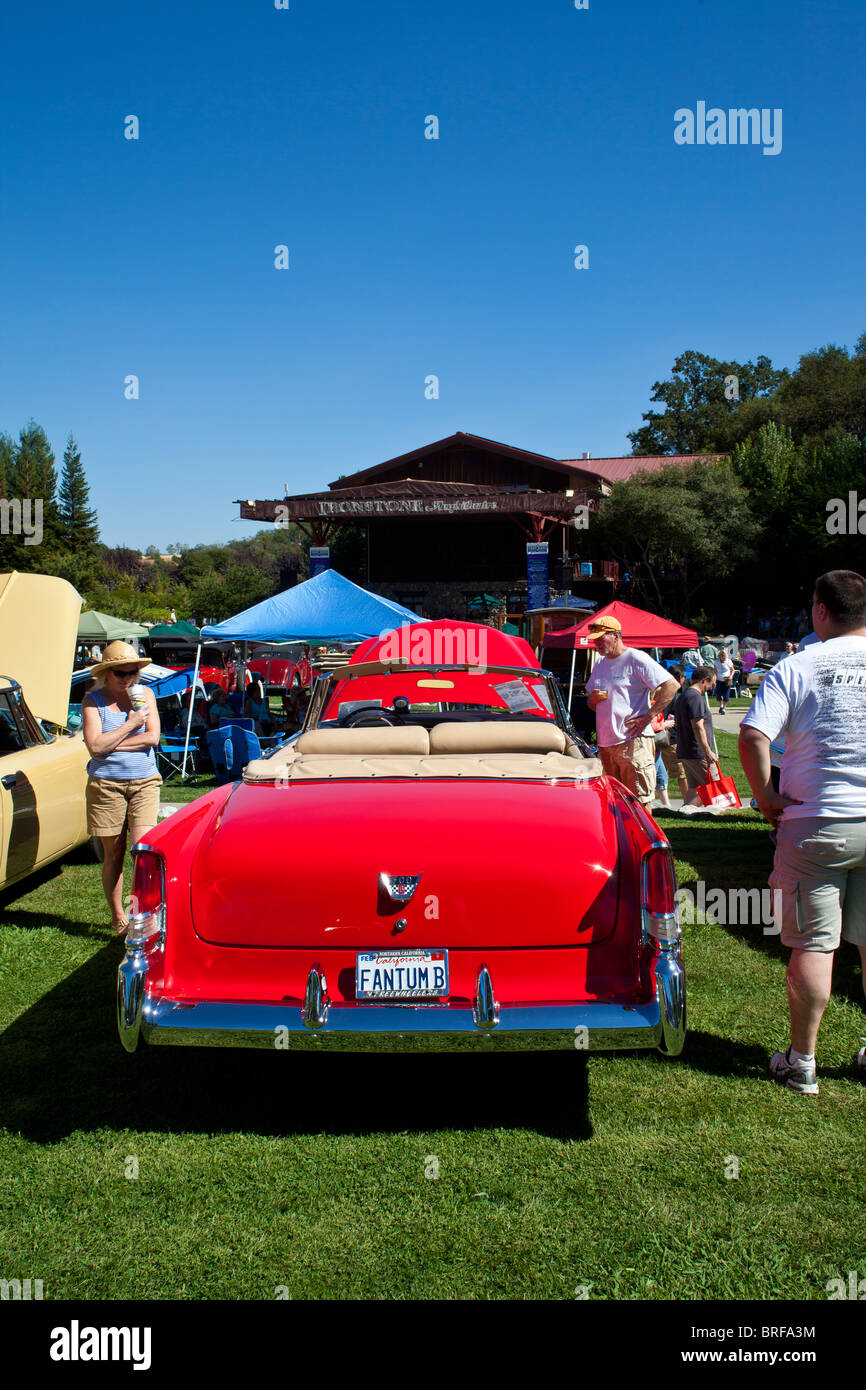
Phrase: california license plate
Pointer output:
(401, 974)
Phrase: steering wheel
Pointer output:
(370, 715)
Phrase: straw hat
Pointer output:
(119, 654)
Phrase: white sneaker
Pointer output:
(797, 1076)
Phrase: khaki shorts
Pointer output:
(634, 764)
(110, 801)
(819, 874)
(672, 763)
(697, 771)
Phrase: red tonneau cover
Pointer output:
(447, 642)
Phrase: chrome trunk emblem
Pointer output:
(399, 887)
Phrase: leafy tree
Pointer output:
(218, 597)
(80, 528)
(696, 522)
(826, 393)
(791, 486)
(698, 415)
(124, 561)
(767, 464)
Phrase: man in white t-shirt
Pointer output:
(817, 697)
(619, 690)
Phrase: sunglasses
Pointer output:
(124, 674)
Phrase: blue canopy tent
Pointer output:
(328, 608)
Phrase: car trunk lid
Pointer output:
(501, 864)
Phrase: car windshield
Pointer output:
(422, 694)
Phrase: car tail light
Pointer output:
(660, 916)
(147, 905)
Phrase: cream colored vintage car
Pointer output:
(42, 766)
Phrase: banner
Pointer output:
(320, 559)
(537, 579)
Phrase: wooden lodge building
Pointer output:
(451, 520)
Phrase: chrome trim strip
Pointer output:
(316, 1002)
(671, 993)
(485, 1010)
(131, 976)
(435, 1028)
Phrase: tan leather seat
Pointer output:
(288, 766)
(498, 736)
(363, 743)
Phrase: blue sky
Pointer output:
(408, 256)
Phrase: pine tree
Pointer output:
(7, 458)
(7, 462)
(78, 520)
(35, 477)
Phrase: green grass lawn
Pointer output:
(259, 1171)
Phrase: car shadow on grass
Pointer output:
(28, 920)
(62, 1069)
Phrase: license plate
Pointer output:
(401, 974)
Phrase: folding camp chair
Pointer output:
(231, 748)
(169, 756)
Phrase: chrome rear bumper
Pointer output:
(323, 1026)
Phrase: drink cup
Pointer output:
(137, 698)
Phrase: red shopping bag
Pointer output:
(720, 795)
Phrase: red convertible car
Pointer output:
(436, 861)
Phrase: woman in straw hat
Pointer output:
(123, 783)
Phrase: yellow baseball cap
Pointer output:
(605, 625)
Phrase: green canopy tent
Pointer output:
(177, 632)
(486, 601)
(102, 627)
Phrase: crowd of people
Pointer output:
(252, 704)
(816, 699)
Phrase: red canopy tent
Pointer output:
(639, 629)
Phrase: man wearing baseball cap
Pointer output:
(619, 692)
